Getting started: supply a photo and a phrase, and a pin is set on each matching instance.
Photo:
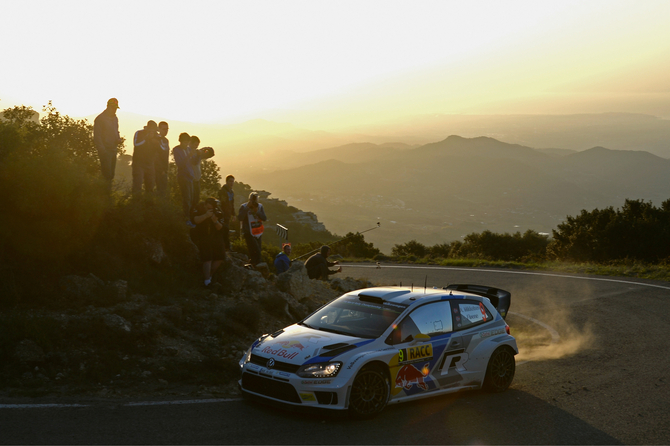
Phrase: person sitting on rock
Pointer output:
(282, 261)
(317, 265)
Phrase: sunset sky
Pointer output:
(229, 61)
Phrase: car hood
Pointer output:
(301, 345)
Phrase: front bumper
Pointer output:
(288, 388)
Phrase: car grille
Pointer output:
(283, 366)
(269, 387)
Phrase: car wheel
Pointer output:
(369, 393)
(500, 371)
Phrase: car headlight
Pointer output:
(320, 370)
(247, 357)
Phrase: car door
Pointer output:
(421, 339)
(472, 325)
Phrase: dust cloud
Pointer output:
(554, 321)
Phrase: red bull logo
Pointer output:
(290, 344)
(409, 376)
(281, 352)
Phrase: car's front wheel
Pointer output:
(500, 371)
(369, 393)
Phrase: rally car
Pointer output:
(378, 346)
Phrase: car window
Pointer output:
(468, 313)
(354, 317)
(432, 319)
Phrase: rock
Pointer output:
(116, 322)
(254, 281)
(263, 269)
(118, 290)
(28, 351)
(80, 287)
(346, 284)
(153, 249)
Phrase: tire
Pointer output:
(369, 393)
(500, 370)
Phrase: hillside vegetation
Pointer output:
(102, 294)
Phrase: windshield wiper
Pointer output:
(307, 325)
(332, 330)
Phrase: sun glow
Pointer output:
(205, 61)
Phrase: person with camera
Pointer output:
(196, 160)
(163, 160)
(182, 158)
(318, 264)
(146, 148)
(251, 217)
(227, 198)
(207, 235)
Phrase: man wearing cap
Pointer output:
(106, 138)
(282, 261)
(317, 265)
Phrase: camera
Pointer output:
(207, 152)
(216, 206)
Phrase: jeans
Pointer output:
(186, 188)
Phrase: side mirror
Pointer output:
(420, 338)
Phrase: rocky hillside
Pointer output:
(133, 344)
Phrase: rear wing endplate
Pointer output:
(500, 299)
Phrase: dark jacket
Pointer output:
(147, 147)
(227, 199)
(106, 132)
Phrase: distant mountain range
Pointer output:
(442, 191)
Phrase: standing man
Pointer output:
(252, 216)
(197, 172)
(163, 160)
(146, 146)
(182, 158)
(317, 265)
(227, 199)
(282, 261)
(107, 139)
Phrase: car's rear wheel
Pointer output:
(500, 371)
(369, 393)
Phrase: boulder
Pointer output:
(28, 352)
(80, 287)
(116, 322)
(153, 249)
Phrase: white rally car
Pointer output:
(378, 346)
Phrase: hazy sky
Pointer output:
(230, 60)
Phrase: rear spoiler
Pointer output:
(500, 299)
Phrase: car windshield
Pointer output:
(353, 317)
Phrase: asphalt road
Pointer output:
(599, 376)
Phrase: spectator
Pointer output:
(193, 144)
(206, 235)
(227, 199)
(163, 160)
(282, 261)
(182, 158)
(317, 265)
(107, 139)
(251, 217)
(146, 149)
